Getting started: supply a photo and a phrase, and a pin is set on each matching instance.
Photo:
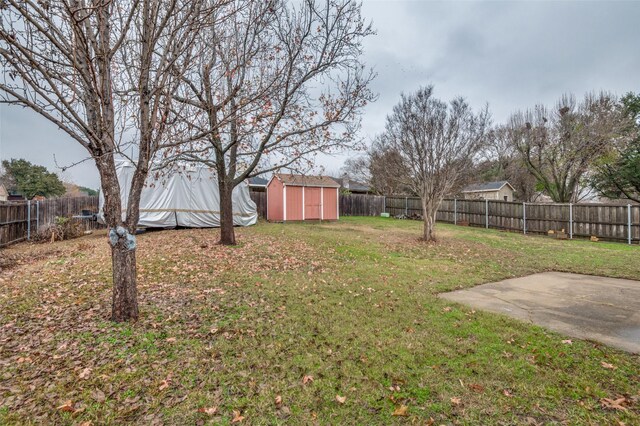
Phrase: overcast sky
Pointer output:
(510, 55)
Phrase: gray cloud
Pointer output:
(511, 55)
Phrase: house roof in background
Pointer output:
(353, 184)
(487, 186)
(257, 181)
(304, 180)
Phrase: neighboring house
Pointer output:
(352, 186)
(4, 194)
(258, 184)
(299, 197)
(501, 190)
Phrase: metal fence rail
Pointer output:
(605, 221)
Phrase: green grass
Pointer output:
(353, 304)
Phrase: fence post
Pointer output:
(524, 218)
(28, 220)
(455, 211)
(384, 204)
(629, 223)
(406, 206)
(37, 216)
(570, 221)
(486, 213)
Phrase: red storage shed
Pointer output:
(299, 197)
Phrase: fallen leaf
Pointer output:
(307, 379)
(208, 410)
(341, 399)
(567, 342)
(456, 401)
(507, 393)
(608, 366)
(278, 401)
(67, 407)
(237, 418)
(164, 384)
(170, 340)
(476, 387)
(98, 395)
(84, 374)
(447, 309)
(401, 411)
(613, 404)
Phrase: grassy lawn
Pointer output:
(273, 330)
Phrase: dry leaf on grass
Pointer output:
(84, 374)
(608, 366)
(208, 410)
(307, 379)
(476, 387)
(98, 395)
(237, 418)
(401, 411)
(341, 399)
(278, 401)
(613, 404)
(68, 407)
(456, 401)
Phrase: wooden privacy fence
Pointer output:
(606, 221)
(21, 219)
(260, 198)
(361, 205)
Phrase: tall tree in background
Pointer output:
(559, 147)
(501, 161)
(31, 180)
(437, 141)
(275, 83)
(381, 167)
(617, 174)
(64, 60)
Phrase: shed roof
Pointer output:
(487, 186)
(304, 180)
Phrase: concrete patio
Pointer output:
(602, 309)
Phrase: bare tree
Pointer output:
(559, 147)
(276, 83)
(437, 141)
(501, 161)
(357, 168)
(382, 167)
(64, 60)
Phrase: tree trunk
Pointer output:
(227, 233)
(428, 215)
(124, 305)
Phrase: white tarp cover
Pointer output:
(188, 198)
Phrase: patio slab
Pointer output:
(603, 309)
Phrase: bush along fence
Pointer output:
(20, 220)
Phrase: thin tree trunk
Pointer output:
(227, 233)
(124, 306)
(428, 231)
